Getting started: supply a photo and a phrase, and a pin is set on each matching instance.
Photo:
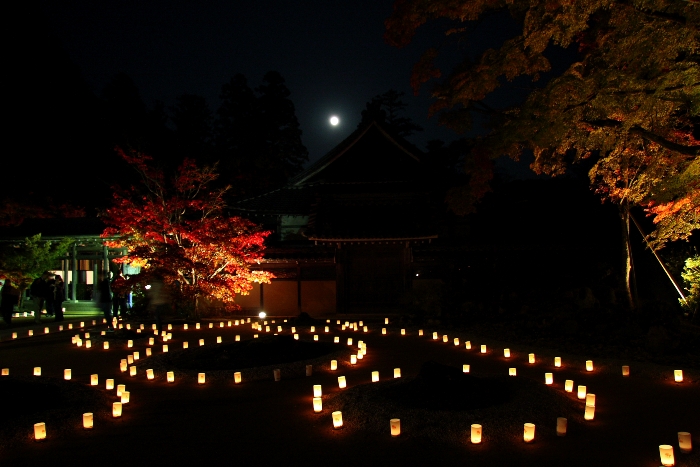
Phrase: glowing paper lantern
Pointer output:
(561, 426)
(666, 453)
(365, 329)
(684, 442)
(589, 365)
(353, 359)
(120, 388)
(395, 425)
(66, 373)
(87, 421)
(512, 372)
(296, 337)
(334, 365)
(211, 325)
(149, 374)
(383, 330)
(557, 362)
(468, 345)
(309, 370)
(386, 320)
(116, 409)
(581, 392)
(678, 376)
(590, 399)
(277, 374)
(39, 431)
(88, 344)
(218, 340)
(316, 337)
(30, 333)
(350, 341)
(165, 348)
(136, 355)
(109, 384)
(313, 329)
(126, 396)
(94, 380)
(130, 359)
(483, 348)
(548, 378)
(456, 341)
(337, 419)
(360, 355)
(569, 385)
(238, 338)
(196, 326)
(420, 332)
(531, 358)
(397, 372)
(79, 342)
(403, 332)
(435, 336)
(465, 368)
(529, 432)
(151, 341)
(186, 327)
(70, 326)
(129, 343)
(60, 328)
(336, 340)
(294, 329)
(185, 345)
(506, 353)
(589, 413)
(148, 351)
(625, 370)
(237, 377)
(476, 434)
(14, 334)
(279, 328)
(37, 371)
(375, 376)
(318, 404)
(201, 378)
(154, 327)
(317, 390)
(82, 324)
(445, 338)
(201, 342)
(5, 372)
(105, 345)
(267, 328)
(46, 330)
(341, 382)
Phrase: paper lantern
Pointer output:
(46, 330)
(130, 359)
(87, 421)
(201, 378)
(30, 333)
(94, 380)
(296, 337)
(397, 372)
(589, 414)
(569, 385)
(435, 336)
(66, 373)
(105, 345)
(531, 358)
(277, 374)
(154, 327)
(185, 345)
(39, 431)
(360, 355)
(561, 426)
(309, 370)
(512, 372)
(336, 340)
(468, 345)
(337, 419)
(201, 342)
(365, 329)
(386, 320)
(316, 337)
(557, 362)
(60, 328)
(165, 348)
(445, 338)
(151, 341)
(14, 334)
(148, 351)
(317, 390)
(109, 384)
(267, 328)
(341, 382)
(375, 376)
(136, 355)
(529, 432)
(116, 409)
(211, 325)
(149, 373)
(456, 341)
(218, 339)
(318, 404)
(383, 330)
(132, 371)
(403, 332)
(506, 353)
(666, 453)
(548, 378)
(88, 344)
(589, 365)
(625, 370)
(313, 329)
(678, 376)
(129, 343)
(186, 327)
(238, 338)
(79, 342)
(120, 388)
(684, 442)
(70, 326)
(37, 371)
(476, 434)
(237, 377)
(350, 341)
(126, 396)
(420, 332)
(353, 359)
(483, 348)
(581, 392)
(196, 326)
(5, 372)
(279, 328)
(82, 324)
(590, 399)
(294, 329)
(334, 365)
(465, 368)
(395, 426)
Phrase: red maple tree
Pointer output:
(177, 226)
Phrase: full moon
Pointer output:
(334, 120)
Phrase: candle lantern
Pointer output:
(30, 333)
(267, 328)
(557, 362)
(105, 345)
(87, 421)
(336, 340)
(14, 334)
(468, 345)
(88, 344)
(87, 335)
(39, 431)
(149, 373)
(170, 375)
(365, 329)
(435, 336)
(403, 332)
(165, 348)
(148, 351)
(201, 342)
(126, 396)
(445, 338)
(548, 378)
(506, 353)
(561, 426)
(5, 372)
(317, 390)
(589, 414)
(294, 329)
(353, 359)
(529, 432)
(132, 370)
(313, 329)
(341, 382)
(238, 338)
(684, 442)
(334, 365)
(678, 376)
(316, 337)
(237, 377)
(79, 342)
(218, 339)
(94, 380)
(37, 371)
(136, 356)
(465, 368)
(350, 341)
(483, 348)
(309, 370)
(625, 370)
(476, 434)
(386, 320)
(60, 327)
(383, 330)
(185, 345)
(197, 326)
(337, 419)
(569, 385)
(512, 372)
(154, 327)
(122, 365)
(117, 409)
(279, 328)
(129, 343)
(581, 392)
(397, 372)
(296, 337)
(151, 341)
(130, 359)
(395, 425)
(375, 376)
(420, 332)
(46, 330)
(120, 388)
(531, 358)
(589, 365)
(666, 453)
(590, 399)
(456, 341)
(201, 378)
(277, 374)
(109, 384)
(360, 355)
(82, 324)
(318, 404)
(66, 373)
(186, 327)
(211, 325)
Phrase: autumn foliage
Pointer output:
(177, 227)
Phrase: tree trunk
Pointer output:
(630, 289)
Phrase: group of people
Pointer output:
(48, 291)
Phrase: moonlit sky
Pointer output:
(331, 54)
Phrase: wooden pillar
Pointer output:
(65, 264)
(74, 260)
(105, 261)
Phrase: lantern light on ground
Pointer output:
(476, 434)
(109, 384)
(211, 325)
(360, 355)
(483, 348)
(267, 328)
(126, 396)
(66, 374)
(395, 425)
(151, 341)
(94, 380)
(186, 327)
(165, 348)
(353, 359)
(397, 372)
(5, 372)
(88, 344)
(365, 329)
(625, 370)
(317, 390)
(279, 329)
(149, 373)
(684, 442)
(316, 337)
(130, 359)
(105, 345)
(201, 342)
(350, 341)
(678, 376)
(148, 351)
(569, 385)
(30, 333)
(420, 332)
(37, 371)
(79, 342)
(237, 377)
(116, 409)
(465, 368)
(589, 365)
(531, 358)
(529, 432)
(132, 371)
(201, 378)
(296, 337)
(557, 362)
(336, 340)
(590, 399)
(87, 420)
(14, 335)
(185, 345)
(277, 374)
(129, 343)
(512, 372)
(468, 345)
(136, 356)
(435, 336)
(318, 404)
(403, 332)
(456, 341)
(383, 330)
(238, 338)
(46, 330)
(309, 370)
(386, 320)
(666, 453)
(120, 388)
(196, 326)
(39, 431)
(445, 338)
(218, 339)
(375, 376)
(170, 375)
(548, 378)
(506, 353)
(581, 392)
(589, 414)
(337, 419)
(334, 365)
(561, 426)
(341, 382)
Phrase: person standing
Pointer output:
(120, 290)
(103, 297)
(39, 291)
(10, 298)
(58, 297)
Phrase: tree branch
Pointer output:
(649, 136)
